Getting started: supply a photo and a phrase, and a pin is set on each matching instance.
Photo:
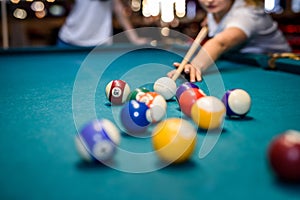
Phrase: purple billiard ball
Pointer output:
(135, 117)
(237, 102)
(183, 87)
(98, 140)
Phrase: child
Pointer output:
(235, 25)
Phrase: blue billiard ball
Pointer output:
(237, 102)
(98, 140)
(134, 117)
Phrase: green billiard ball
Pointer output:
(135, 94)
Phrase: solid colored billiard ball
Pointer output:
(117, 91)
(166, 87)
(284, 155)
(98, 140)
(188, 98)
(208, 112)
(237, 102)
(156, 103)
(183, 87)
(135, 94)
(174, 140)
(134, 117)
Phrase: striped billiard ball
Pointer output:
(97, 140)
(117, 91)
(237, 102)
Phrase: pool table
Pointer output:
(48, 94)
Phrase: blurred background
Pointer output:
(30, 23)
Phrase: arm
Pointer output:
(126, 25)
(212, 50)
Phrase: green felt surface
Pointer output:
(46, 95)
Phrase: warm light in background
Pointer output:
(135, 5)
(40, 14)
(167, 11)
(20, 13)
(37, 6)
(166, 8)
(269, 5)
(15, 1)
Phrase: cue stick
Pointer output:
(201, 35)
(4, 24)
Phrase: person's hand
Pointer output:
(193, 73)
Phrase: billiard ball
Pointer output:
(135, 94)
(166, 87)
(117, 91)
(284, 155)
(174, 140)
(237, 102)
(183, 87)
(208, 112)
(134, 117)
(157, 105)
(98, 140)
(188, 98)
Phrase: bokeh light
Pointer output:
(20, 13)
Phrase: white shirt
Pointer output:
(88, 24)
(261, 30)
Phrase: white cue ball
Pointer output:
(166, 87)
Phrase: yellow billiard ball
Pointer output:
(208, 112)
(174, 140)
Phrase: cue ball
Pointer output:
(188, 98)
(98, 140)
(157, 105)
(284, 155)
(117, 91)
(134, 117)
(208, 112)
(166, 87)
(237, 102)
(174, 140)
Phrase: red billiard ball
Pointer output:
(117, 91)
(284, 155)
(188, 98)
(183, 87)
